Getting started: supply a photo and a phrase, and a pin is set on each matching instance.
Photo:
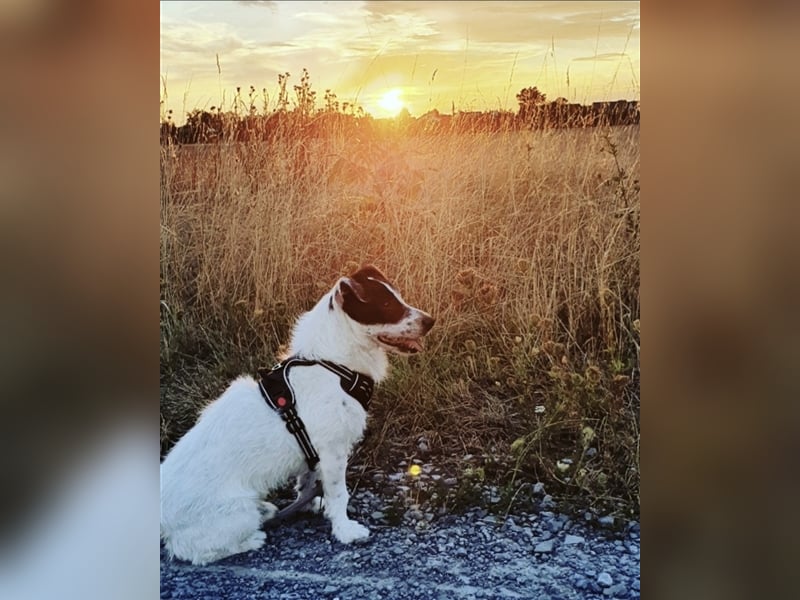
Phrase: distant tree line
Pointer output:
(245, 123)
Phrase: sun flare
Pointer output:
(391, 102)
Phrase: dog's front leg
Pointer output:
(334, 488)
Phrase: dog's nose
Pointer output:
(427, 323)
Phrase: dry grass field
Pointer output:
(524, 245)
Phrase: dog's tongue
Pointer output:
(409, 345)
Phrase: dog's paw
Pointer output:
(350, 531)
(254, 542)
(268, 511)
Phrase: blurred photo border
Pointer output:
(79, 227)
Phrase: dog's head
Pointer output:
(377, 308)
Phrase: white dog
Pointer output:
(214, 480)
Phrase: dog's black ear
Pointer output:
(349, 289)
(368, 271)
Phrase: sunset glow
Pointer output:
(391, 102)
(383, 56)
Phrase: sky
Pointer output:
(386, 55)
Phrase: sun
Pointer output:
(391, 101)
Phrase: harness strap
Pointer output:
(277, 391)
(356, 384)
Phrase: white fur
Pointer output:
(214, 480)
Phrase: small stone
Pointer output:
(554, 525)
(414, 514)
(538, 488)
(547, 502)
(377, 515)
(607, 521)
(604, 579)
(571, 540)
(616, 590)
(546, 546)
(450, 481)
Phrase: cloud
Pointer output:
(260, 3)
(515, 22)
(196, 38)
(482, 50)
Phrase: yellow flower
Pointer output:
(587, 434)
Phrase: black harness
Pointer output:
(278, 394)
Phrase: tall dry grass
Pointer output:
(525, 246)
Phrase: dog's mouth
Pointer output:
(402, 345)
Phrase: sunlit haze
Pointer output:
(384, 56)
(391, 102)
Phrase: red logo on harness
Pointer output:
(281, 401)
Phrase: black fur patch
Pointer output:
(368, 301)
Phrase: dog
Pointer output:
(215, 479)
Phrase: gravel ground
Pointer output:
(541, 555)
